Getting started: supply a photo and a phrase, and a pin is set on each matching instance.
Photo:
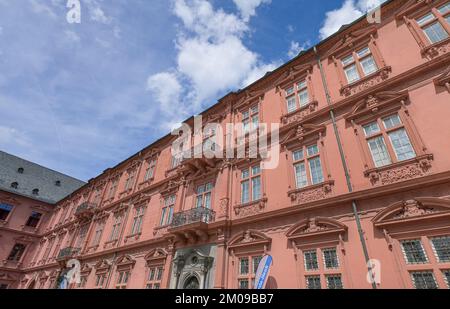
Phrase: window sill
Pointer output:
(366, 82)
(437, 49)
(251, 208)
(400, 171)
(312, 193)
(110, 244)
(160, 230)
(132, 237)
(299, 114)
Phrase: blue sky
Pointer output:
(80, 98)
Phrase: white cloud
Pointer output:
(248, 8)
(10, 136)
(166, 88)
(349, 12)
(96, 12)
(296, 48)
(72, 36)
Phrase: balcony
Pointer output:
(192, 225)
(85, 210)
(67, 254)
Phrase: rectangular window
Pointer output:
(402, 145)
(34, 219)
(368, 65)
(250, 119)
(435, 32)
(315, 176)
(203, 198)
(313, 283)
(251, 184)
(414, 252)
(82, 233)
(150, 172)
(334, 282)
(167, 211)
(303, 97)
(154, 278)
(359, 64)
(435, 24)
(330, 258)
(311, 262)
(100, 281)
(247, 271)
(300, 91)
(137, 220)
(424, 280)
(352, 73)
(441, 248)
(446, 274)
(378, 149)
(122, 279)
(129, 182)
(243, 266)
(113, 188)
(98, 233)
(243, 284)
(5, 210)
(16, 252)
(116, 227)
(291, 104)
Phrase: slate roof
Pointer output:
(53, 186)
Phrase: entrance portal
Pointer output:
(192, 284)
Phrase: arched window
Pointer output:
(15, 185)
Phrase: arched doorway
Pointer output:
(192, 283)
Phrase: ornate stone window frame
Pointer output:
(244, 244)
(156, 258)
(251, 208)
(418, 218)
(414, 9)
(350, 43)
(298, 137)
(377, 106)
(151, 157)
(318, 233)
(135, 236)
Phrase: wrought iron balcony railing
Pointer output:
(68, 253)
(195, 215)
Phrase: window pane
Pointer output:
(369, 66)
(291, 104)
(330, 258)
(245, 115)
(300, 175)
(379, 151)
(363, 52)
(313, 283)
(245, 198)
(245, 174)
(424, 280)
(448, 19)
(208, 200)
(312, 150)
(199, 202)
(243, 284)
(316, 171)
(163, 216)
(371, 129)
(392, 122)
(446, 274)
(256, 260)
(435, 32)
(441, 247)
(413, 252)
(334, 282)
(169, 217)
(256, 170)
(289, 91)
(243, 266)
(402, 145)
(301, 85)
(298, 155)
(255, 109)
(352, 74)
(303, 98)
(256, 183)
(423, 20)
(347, 60)
(444, 9)
(311, 260)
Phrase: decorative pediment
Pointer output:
(316, 226)
(133, 165)
(249, 238)
(412, 6)
(86, 269)
(411, 210)
(43, 275)
(125, 261)
(350, 39)
(102, 266)
(140, 198)
(374, 102)
(54, 273)
(249, 97)
(444, 79)
(120, 207)
(302, 132)
(171, 187)
(292, 73)
(156, 255)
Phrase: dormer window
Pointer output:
(20, 170)
(35, 191)
(58, 183)
(15, 185)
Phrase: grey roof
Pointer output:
(34, 177)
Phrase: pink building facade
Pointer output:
(361, 189)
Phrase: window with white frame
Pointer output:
(424, 280)
(154, 278)
(204, 193)
(330, 258)
(247, 269)
(150, 171)
(359, 64)
(322, 270)
(297, 96)
(250, 119)
(334, 282)
(311, 261)
(251, 184)
(413, 251)
(122, 279)
(307, 166)
(436, 24)
(313, 283)
(100, 281)
(388, 141)
(138, 218)
(167, 210)
(441, 248)
(117, 224)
